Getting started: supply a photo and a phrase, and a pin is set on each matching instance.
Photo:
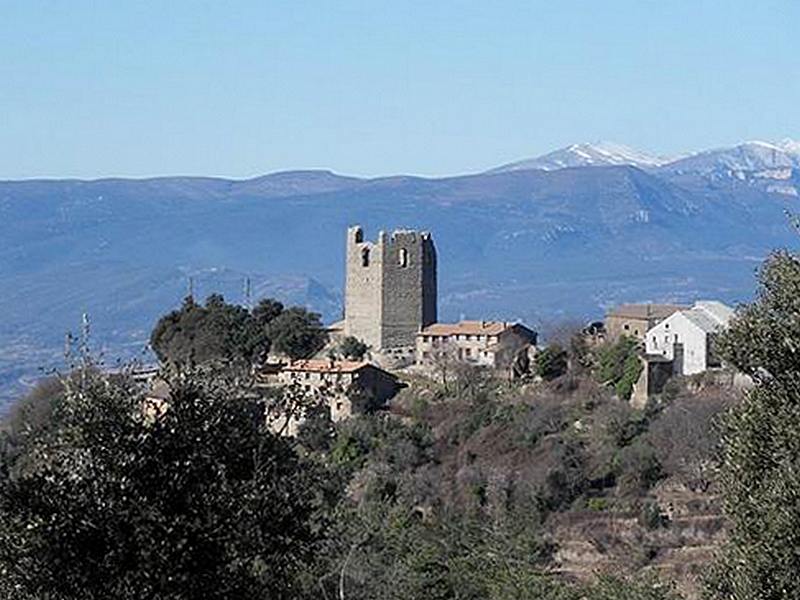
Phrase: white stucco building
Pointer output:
(687, 337)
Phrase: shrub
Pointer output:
(618, 365)
(353, 348)
(551, 362)
(597, 504)
(651, 517)
(638, 468)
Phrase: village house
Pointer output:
(634, 320)
(346, 387)
(494, 344)
(688, 336)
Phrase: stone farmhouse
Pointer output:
(494, 344)
(687, 337)
(345, 387)
(635, 320)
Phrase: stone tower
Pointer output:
(390, 292)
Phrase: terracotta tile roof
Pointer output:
(467, 328)
(322, 365)
(645, 311)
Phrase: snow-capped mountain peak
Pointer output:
(790, 146)
(598, 154)
(748, 157)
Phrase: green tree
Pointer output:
(266, 310)
(30, 417)
(297, 333)
(551, 362)
(618, 365)
(352, 347)
(196, 334)
(760, 459)
(631, 370)
(192, 499)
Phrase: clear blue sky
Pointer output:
(240, 88)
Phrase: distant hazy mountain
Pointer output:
(600, 154)
(532, 244)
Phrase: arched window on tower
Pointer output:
(402, 257)
(365, 257)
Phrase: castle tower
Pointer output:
(390, 292)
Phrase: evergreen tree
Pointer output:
(760, 470)
(354, 348)
(297, 333)
(618, 364)
(190, 498)
(196, 334)
(551, 362)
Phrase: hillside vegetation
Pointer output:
(483, 489)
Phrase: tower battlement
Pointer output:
(390, 289)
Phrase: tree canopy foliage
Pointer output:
(196, 334)
(618, 364)
(297, 333)
(191, 498)
(760, 471)
(551, 362)
(352, 347)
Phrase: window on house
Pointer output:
(402, 257)
(468, 351)
(365, 257)
(626, 327)
(636, 332)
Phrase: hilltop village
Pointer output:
(391, 313)
(429, 445)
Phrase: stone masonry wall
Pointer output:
(363, 286)
(390, 290)
(409, 287)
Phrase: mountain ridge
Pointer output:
(606, 153)
(535, 245)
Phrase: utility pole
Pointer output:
(248, 300)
